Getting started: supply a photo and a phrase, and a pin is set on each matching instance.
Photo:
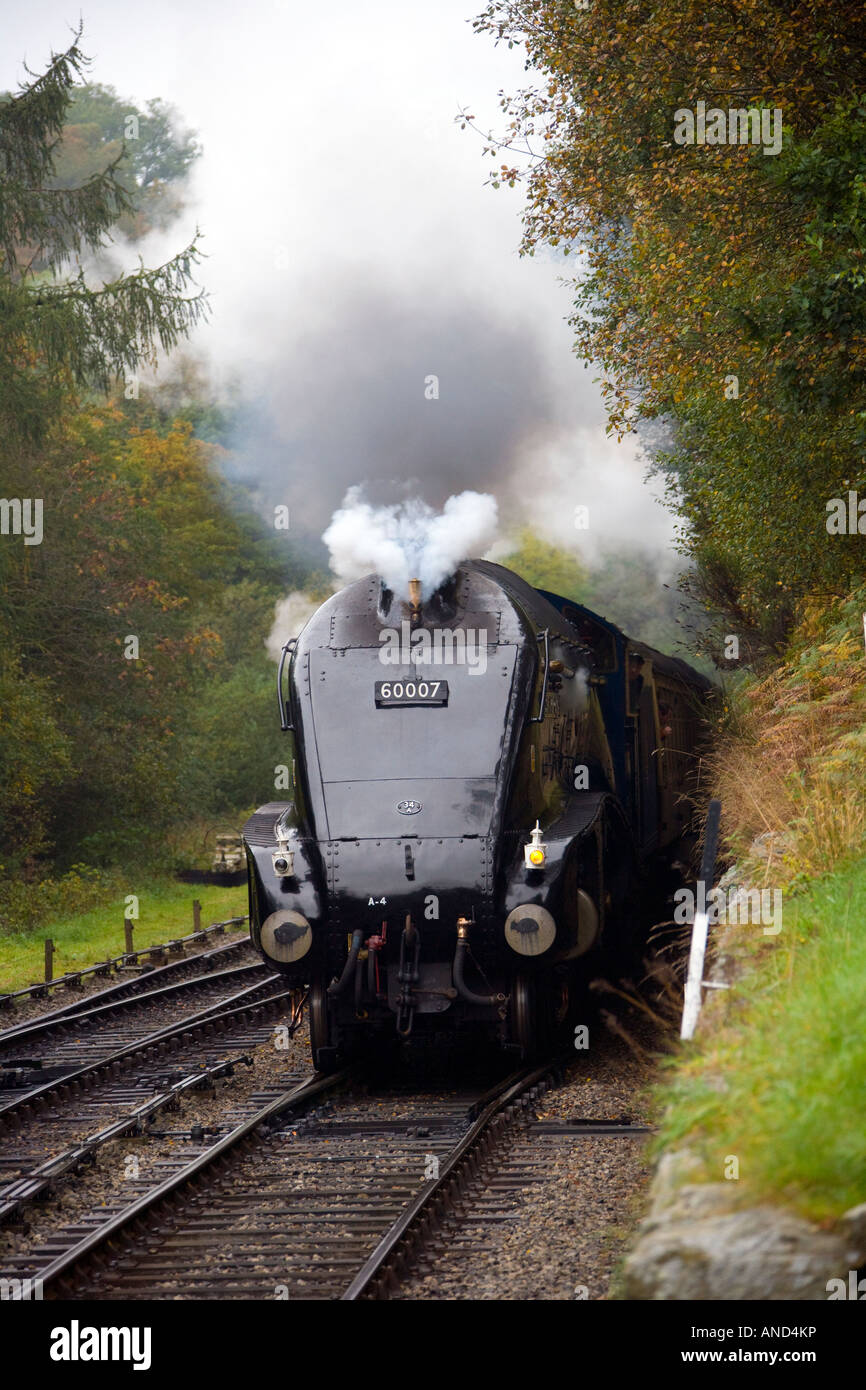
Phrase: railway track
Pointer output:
(328, 1190)
(51, 1059)
(117, 1066)
(40, 1181)
(179, 974)
(81, 981)
(49, 1052)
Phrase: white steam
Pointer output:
(292, 613)
(409, 540)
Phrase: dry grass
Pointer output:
(791, 763)
(777, 1072)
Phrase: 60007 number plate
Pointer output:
(396, 693)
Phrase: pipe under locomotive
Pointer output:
(480, 781)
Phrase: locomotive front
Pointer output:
(382, 885)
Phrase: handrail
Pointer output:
(285, 724)
(545, 637)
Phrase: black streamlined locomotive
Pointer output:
(481, 784)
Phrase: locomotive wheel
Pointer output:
(321, 1045)
(522, 1012)
(530, 1021)
(561, 1002)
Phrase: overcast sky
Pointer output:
(353, 250)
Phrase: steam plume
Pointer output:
(409, 540)
(291, 614)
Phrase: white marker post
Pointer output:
(695, 977)
(692, 1004)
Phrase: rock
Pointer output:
(676, 1168)
(725, 966)
(851, 1226)
(772, 842)
(693, 1202)
(698, 1243)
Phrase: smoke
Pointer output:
(290, 615)
(343, 283)
(409, 540)
(424, 396)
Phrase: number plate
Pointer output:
(394, 694)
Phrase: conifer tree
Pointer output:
(57, 330)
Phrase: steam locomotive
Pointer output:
(483, 785)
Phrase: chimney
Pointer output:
(415, 599)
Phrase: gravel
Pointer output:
(564, 1208)
(555, 1215)
(127, 1168)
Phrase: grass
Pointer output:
(791, 764)
(782, 1086)
(777, 1076)
(81, 939)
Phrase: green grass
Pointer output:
(81, 939)
(783, 1085)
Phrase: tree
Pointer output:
(153, 153)
(120, 637)
(57, 332)
(722, 286)
(135, 689)
(546, 566)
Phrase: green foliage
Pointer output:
(83, 913)
(723, 289)
(547, 566)
(160, 154)
(147, 150)
(141, 540)
(623, 586)
(135, 692)
(34, 752)
(57, 222)
(627, 588)
(26, 905)
(152, 149)
(825, 178)
(233, 742)
(184, 392)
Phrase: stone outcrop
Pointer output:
(700, 1242)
